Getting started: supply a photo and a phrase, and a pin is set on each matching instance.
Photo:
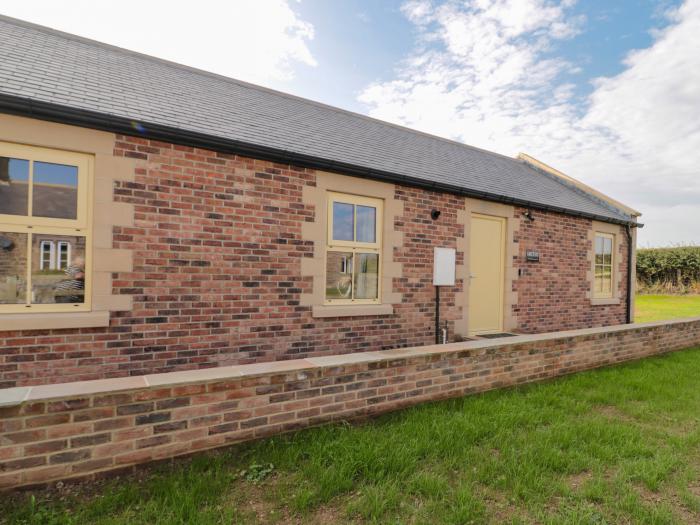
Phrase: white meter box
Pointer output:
(444, 266)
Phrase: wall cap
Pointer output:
(18, 395)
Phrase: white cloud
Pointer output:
(260, 41)
(485, 72)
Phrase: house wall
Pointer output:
(94, 428)
(556, 292)
(223, 270)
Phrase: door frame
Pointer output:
(502, 273)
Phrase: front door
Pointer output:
(486, 274)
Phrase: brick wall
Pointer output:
(216, 277)
(13, 266)
(71, 430)
(553, 294)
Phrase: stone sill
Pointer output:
(19, 395)
(53, 321)
(605, 301)
(351, 310)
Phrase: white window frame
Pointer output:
(58, 265)
(52, 255)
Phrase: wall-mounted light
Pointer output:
(528, 215)
(6, 244)
(435, 214)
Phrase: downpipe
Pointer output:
(630, 268)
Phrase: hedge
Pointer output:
(669, 269)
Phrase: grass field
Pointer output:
(617, 445)
(662, 307)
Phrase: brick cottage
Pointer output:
(157, 218)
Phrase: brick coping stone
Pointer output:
(18, 395)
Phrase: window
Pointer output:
(44, 229)
(63, 253)
(46, 254)
(603, 265)
(54, 255)
(353, 254)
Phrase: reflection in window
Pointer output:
(603, 285)
(339, 275)
(353, 252)
(44, 265)
(46, 255)
(343, 221)
(63, 253)
(62, 281)
(366, 276)
(354, 222)
(13, 268)
(14, 186)
(55, 191)
(366, 224)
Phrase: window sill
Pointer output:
(602, 301)
(355, 310)
(53, 321)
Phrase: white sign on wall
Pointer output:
(444, 266)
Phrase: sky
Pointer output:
(607, 92)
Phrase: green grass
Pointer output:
(617, 445)
(662, 307)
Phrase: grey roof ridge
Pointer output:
(191, 69)
(577, 189)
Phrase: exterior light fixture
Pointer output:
(6, 244)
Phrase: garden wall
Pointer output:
(55, 432)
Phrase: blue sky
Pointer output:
(358, 42)
(607, 92)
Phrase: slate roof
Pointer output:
(42, 70)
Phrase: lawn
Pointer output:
(616, 445)
(662, 307)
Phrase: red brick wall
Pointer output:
(553, 294)
(74, 430)
(216, 280)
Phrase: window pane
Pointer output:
(343, 221)
(598, 245)
(339, 275)
(598, 284)
(606, 284)
(13, 268)
(366, 276)
(54, 285)
(366, 224)
(607, 245)
(14, 186)
(46, 255)
(55, 191)
(63, 255)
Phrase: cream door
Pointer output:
(486, 274)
